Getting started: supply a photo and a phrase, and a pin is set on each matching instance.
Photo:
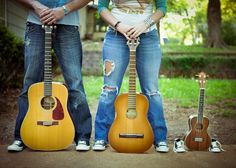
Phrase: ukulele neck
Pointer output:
(200, 106)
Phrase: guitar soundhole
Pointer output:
(131, 113)
(199, 127)
(47, 103)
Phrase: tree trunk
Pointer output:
(214, 25)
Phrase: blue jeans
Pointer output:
(148, 59)
(67, 46)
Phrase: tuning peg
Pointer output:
(202, 74)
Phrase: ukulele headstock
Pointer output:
(133, 44)
(202, 79)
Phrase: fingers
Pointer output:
(47, 17)
(133, 33)
(127, 37)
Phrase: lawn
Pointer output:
(97, 46)
(183, 91)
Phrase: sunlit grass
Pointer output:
(184, 92)
(97, 46)
(195, 48)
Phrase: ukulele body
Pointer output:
(131, 135)
(197, 137)
(49, 128)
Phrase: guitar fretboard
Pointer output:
(132, 81)
(48, 62)
(200, 106)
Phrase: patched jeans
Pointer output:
(67, 46)
(116, 59)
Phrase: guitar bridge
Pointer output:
(123, 135)
(198, 139)
(47, 123)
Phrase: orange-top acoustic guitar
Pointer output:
(197, 137)
(131, 131)
(47, 125)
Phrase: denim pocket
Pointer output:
(70, 29)
(30, 27)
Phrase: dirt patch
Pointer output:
(222, 128)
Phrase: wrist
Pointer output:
(65, 9)
(149, 22)
(34, 4)
(117, 24)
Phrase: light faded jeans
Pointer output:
(148, 58)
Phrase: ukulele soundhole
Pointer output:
(199, 127)
(47, 103)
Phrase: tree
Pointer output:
(228, 31)
(214, 25)
(186, 9)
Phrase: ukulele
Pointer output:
(47, 125)
(197, 138)
(131, 131)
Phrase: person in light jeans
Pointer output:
(129, 19)
(67, 46)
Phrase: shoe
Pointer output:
(162, 147)
(178, 146)
(215, 146)
(99, 145)
(82, 146)
(16, 146)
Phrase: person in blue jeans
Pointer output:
(129, 19)
(67, 46)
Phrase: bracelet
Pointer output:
(149, 22)
(66, 11)
(117, 24)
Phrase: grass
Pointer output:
(183, 91)
(97, 46)
(194, 48)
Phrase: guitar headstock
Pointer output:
(202, 79)
(48, 28)
(133, 44)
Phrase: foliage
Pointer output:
(11, 58)
(188, 65)
(228, 32)
(186, 21)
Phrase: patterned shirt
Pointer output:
(132, 12)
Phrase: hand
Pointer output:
(123, 29)
(50, 16)
(38, 7)
(136, 30)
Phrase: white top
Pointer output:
(132, 12)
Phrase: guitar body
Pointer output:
(131, 135)
(197, 138)
(46, 127)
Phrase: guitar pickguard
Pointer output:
(58, 112)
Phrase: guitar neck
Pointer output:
(132, 81)
(48, 63)
(201, 105)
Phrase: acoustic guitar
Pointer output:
(131, 131)
(197, 137)
(47, 125)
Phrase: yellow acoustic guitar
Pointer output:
(47, 125)
(131, 131)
